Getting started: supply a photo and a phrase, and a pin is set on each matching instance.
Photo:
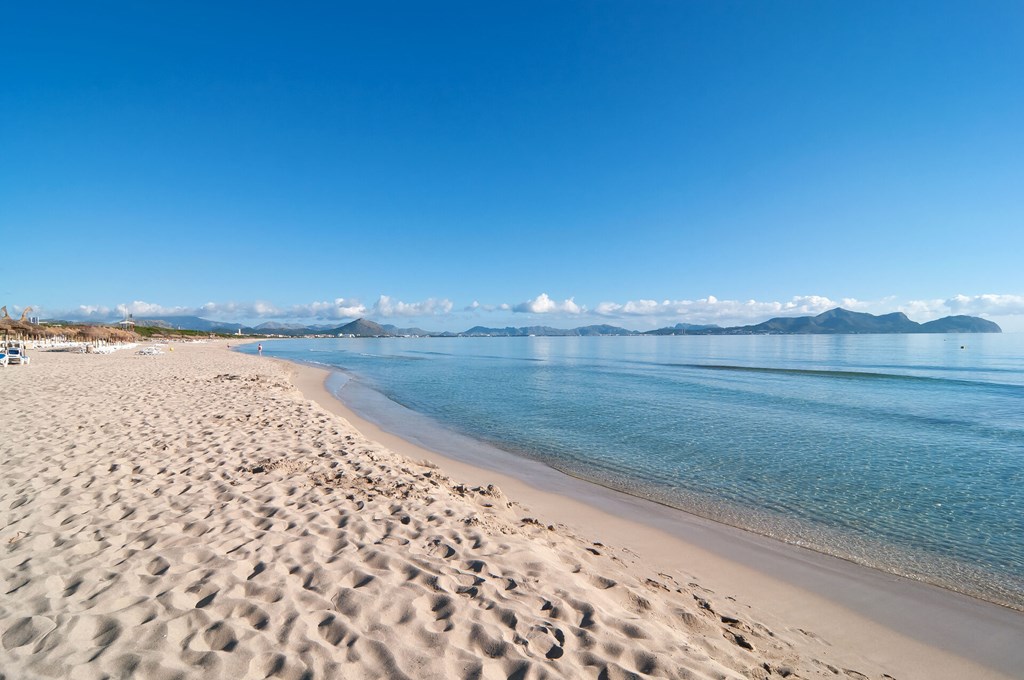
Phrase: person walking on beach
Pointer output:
(260, 349)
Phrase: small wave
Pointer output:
(489, 356)
(958, 369)
(843, 375)
(476, 356)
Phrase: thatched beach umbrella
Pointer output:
(21, 330)
(105, 333)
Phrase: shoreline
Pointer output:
(901, 624)
(543, 474)
(870, 474)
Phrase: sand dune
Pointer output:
(193, 515)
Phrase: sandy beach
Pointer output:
(202, 513)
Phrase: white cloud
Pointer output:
(89, 311)
(970, 305)
(230, 309)
(339, 308)
(475, 306)
(723, 312)
(140, 308)
(137, 307)
(385, 307)
(542, 304)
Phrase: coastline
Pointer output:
(914, 628)
(200, 514)
(909, 470)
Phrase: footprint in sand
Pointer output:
(220, 637)
(158, 566)
(26, 630)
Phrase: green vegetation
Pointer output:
(150, 332)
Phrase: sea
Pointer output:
(904, 453)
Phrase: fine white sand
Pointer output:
(194, 514)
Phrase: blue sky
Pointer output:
(454, 164)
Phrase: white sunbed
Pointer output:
(16, 355)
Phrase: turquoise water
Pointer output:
(902, 452)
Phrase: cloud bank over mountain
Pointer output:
(640, 313)
(713, 310)
(971, 305)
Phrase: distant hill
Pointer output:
(603, 329)
(191, 323)
(293, 329)
(278, 326)
(545, 331)
(395, 330)
(684, 329)
(512, 332)
(960, 324)
(839, 321)
(362, 328)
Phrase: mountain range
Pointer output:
(834, 321)
(545, 331)
(843, 321)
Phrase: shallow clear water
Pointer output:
(903, 452)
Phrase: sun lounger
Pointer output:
(16, 355)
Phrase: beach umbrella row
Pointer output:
(21, 330)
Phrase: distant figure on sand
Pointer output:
(260, 349)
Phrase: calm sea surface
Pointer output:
(902, 452)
